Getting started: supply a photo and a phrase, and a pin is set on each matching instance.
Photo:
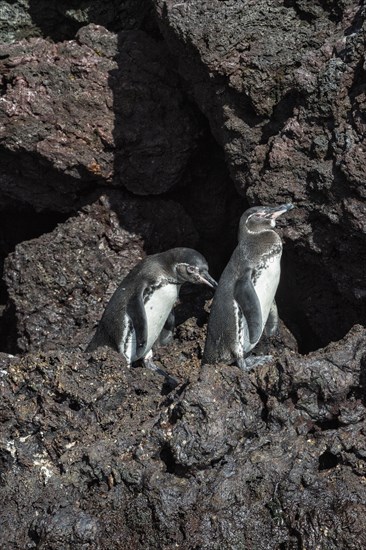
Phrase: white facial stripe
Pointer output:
(262, 216)
(189, 267)
(256, 214)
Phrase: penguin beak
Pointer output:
(278, 210)
(206, 278)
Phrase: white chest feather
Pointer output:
(266, 285)
(128, 343)
(157, 307)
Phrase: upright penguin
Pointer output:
(140, 311)
(244, 306)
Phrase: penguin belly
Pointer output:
(157, 307)
(241, 344)
(265, 286)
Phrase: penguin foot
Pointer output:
(254, 361)
(169, 379)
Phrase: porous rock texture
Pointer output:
(80, 264)
(282, 85)
(213, 105)
(102, 108)
(61, 19)
(97, 455)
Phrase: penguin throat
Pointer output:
(171, 281)
(259, 232)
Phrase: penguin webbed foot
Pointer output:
(165, 338)
(170, 380)
(249, 363)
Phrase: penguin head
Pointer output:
(190, 266)
(261, 218)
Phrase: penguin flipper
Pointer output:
(247, 299)
(271, 326)
(166, 334)
(136, 312)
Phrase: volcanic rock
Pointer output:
(100, 109)
(99, 455)
(60, 20)
(282, 85)
(59, 283)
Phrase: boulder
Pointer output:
(101, 109)
(59, 283)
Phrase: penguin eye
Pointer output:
(191, 269)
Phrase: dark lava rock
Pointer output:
(254, 72)
(103, 108)
(96, 455)
(61, 19)
(282, 85)
(60, 283)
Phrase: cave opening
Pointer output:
(210, 198)
(310, 304)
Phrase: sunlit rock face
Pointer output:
(282, 86)
(133, 127)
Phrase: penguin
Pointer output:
(139, 313)
(244, 302)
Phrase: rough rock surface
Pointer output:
(283, 87)
(96, 455)
(80, 264)
(72, 113)
(269, 97)
(61, 19)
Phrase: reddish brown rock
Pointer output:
(103, 108)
